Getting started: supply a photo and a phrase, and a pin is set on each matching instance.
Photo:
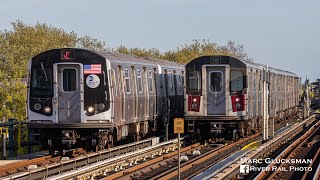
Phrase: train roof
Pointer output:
(114, 56)
(235, 62)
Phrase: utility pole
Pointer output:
(4, 146)
(265, 114)
(306, 107)
(178, 128)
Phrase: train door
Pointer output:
(217, 86)
(127, 111)
(141, 95)
(67, 92)
(152, 94)
(120, 96)
(117, 86)
(134, 93)
(146, 94)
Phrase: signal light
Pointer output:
(238, 103)
(194, 103)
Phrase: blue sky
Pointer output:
(283, 34)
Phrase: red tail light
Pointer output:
(238, 103)
(194, 103)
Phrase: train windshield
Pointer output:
(236, 80)
(194, 81)
(41, 82)
(215, 81)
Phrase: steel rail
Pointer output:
(8, 169)
(287, 153)
(99, 167)
(193, 166)
(317, 174)
(284, 153)
(150, 164)
(77, 162)
(313, 160)
(232, 171)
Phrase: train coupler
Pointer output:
(216, 128)
(69, 137)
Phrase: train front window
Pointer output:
(215, 81)
(236, 80)
(41, 82)
(194, 81)
(69, 80)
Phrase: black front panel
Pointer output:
(194, 70)
(41, 83)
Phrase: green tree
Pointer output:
(236, 50)
(187, 52)
(153, 53)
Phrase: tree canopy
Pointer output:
(19, 45)
(187, 52)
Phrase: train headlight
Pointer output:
(47, 109)
(237, 99)
(101, 106)
(37, 106)
(90, 109)
(238, 106)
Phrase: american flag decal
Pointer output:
(92, 69)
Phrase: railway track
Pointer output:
(47, 167)
(149, 159)
(269, 149)
(165, 166)
(205, 160)
(141, 171)
(25, 165)
(305, 147)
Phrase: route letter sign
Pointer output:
(178, 125)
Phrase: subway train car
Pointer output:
(91, 99)
(224, 96)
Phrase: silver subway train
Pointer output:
(224, 96)
(91, 99)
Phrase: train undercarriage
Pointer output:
(232, 130)
(63, 138)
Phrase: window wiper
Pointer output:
(45, 74)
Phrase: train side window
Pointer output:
(127, 80)
(150, 79)
(182, 78)
(215, 81)
(194, 81)
(171, 83)
(139, 81)
(236, 80)
(179, 80)
(69, 80)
